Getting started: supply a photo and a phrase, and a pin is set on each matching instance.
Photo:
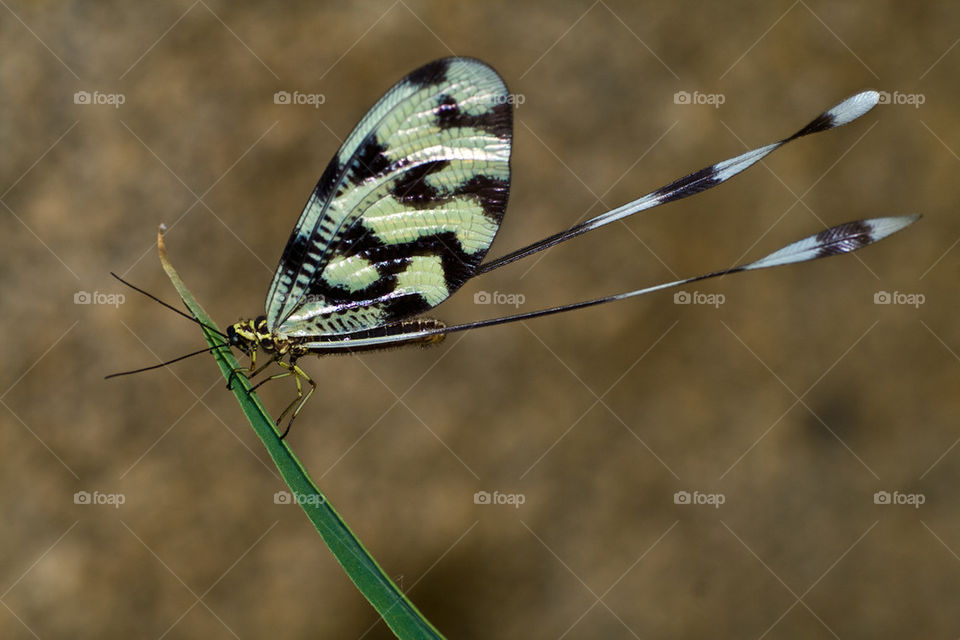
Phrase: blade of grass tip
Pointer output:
(397, 611)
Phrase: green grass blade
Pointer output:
(397, 611)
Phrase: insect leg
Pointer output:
(251, 371)
(275, 376)
(299, 374)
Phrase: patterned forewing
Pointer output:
(407, 208)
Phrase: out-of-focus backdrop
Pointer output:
(781, 412)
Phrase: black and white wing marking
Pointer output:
(843, 238)
(405, 211)
(701, 180)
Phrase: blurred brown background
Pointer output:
(796, 400)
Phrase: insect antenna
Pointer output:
(168, 362)
(170, 306)
(185, 315)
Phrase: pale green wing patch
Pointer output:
(407, 209)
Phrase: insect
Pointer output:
(407, 209)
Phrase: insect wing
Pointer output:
(407, 208)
